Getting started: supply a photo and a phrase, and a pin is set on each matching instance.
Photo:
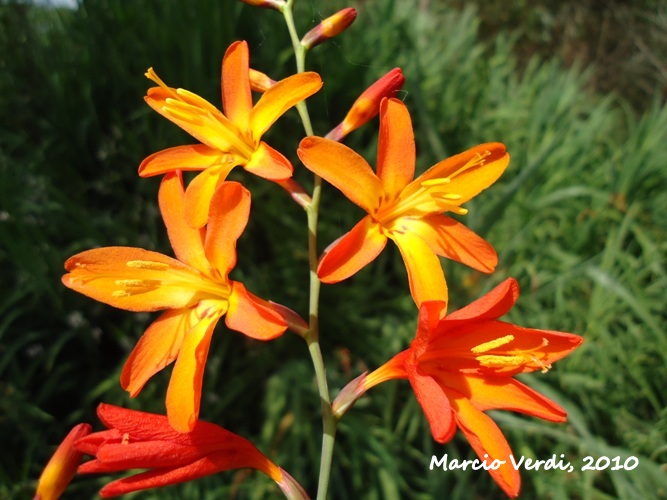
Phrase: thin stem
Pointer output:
(312, 337)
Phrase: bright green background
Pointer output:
(579, 219)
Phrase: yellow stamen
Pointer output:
(147, 264)
(487, 346)
(436, 182)
(493, 361)
(477, 160)
(152, 75)
(195, 100)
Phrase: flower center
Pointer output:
(501, 359)
(430, 197)
(168, 277)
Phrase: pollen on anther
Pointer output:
(120, 293)
(487, 346)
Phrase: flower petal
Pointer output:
(449, 238)
(228, 217)
(200, 191)
(156, 349)
(187, 242)
(243, 457)
(486, 439)
(281, 97)
(392, 369)
(434, 403)
(132, 278)
(352, 252)
(493, 305)
(495, 393)
(427, 280)
(184, 392)
(430, 313)
(253, 316)
(197, 117)
(469, 172)
(396, 148)
(236, 97)
(190, 157)
(268, 163)
(345, 169)
(145, 455)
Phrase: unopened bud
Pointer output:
(349, 395)
(259, 82)
(63, 464)
(367, 106)
(267, 4)
(329, 28)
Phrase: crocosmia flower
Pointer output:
(195, 290)
(463, 364)
(408, 211)
(139, 440)
(60, 470)
(229, 139)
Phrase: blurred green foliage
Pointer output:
(579, 219)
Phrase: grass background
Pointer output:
(575, 90)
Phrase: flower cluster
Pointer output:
(459, 364)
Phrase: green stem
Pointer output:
(312, 337)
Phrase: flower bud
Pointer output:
(367, 106)
(259, 82)
(329, 28)
(267, 4)
(63, 464)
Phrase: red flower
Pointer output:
(139, 440)
(463, 364)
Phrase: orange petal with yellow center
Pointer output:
(184, 392)
(345, 169)
(493, 305)
(187, 242)
(156, 349)
(486, 439)
(469, 172)
(281, 97)
(427, 280)
(191, 157)
(396, 148)
(434, 403)
(133, 279)
(496, 348)
(496, 393)
(449, 238)
(268, 163)
(352, 252)
(228, 216)
(236, 97)
(199, 193)
(253, 316)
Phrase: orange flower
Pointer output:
(195, 289)
(228, 139)
(61, 468)
(463, 364)
(405, 210)
(139, 440)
